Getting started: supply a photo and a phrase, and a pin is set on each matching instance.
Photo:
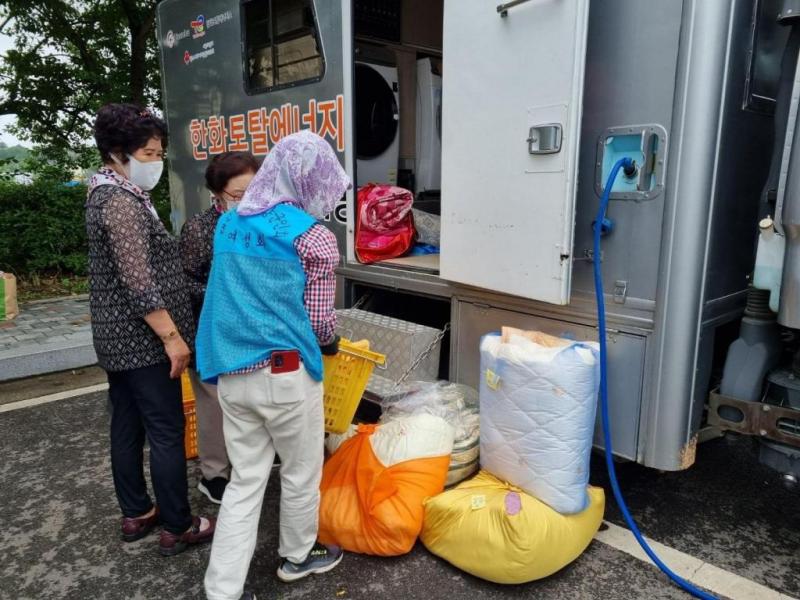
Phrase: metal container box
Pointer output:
(401, 341)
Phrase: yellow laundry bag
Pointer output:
(498, 532)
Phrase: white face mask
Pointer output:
(145, 174)
(232, 205)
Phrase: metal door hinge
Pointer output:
(588, 256)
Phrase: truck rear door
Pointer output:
(513, 87)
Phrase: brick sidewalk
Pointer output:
(47, 336)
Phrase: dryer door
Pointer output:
(376, 113)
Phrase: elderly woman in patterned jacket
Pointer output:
(142, 327)
(227, 177)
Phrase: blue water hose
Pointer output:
(628, 165)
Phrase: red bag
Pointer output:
(384, 223)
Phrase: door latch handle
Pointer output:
(503, 8)
(545, 139)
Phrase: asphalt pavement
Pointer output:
(59, 528)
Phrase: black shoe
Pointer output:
(213, 489)
(321, 559)
(248, 596)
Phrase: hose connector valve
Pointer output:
(629, 168)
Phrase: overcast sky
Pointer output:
(6, 120)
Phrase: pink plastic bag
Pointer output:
(384, 224)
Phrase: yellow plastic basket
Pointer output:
(346, 376)
(190, 413)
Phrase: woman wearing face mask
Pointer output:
(227, 177)
(142, 325)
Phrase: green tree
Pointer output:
(70, 58)
(11, 159)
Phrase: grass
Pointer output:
(39, 287)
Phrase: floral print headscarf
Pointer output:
(301, 169)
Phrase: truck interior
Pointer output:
(397, 79)
(398, 109)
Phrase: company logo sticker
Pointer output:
(208, 50)
(199, 26)
(172, 39)
(219, 19)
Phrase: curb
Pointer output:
(50, 358)
(77, 297)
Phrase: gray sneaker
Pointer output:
(321, 559)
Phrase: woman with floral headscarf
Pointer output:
(267, 318)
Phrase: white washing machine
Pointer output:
(377, 123)
(429, 127)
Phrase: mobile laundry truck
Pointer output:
(506, 119)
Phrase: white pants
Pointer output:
(264, 414)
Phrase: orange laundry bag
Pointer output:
(374, 485)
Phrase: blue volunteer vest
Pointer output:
(254, 297)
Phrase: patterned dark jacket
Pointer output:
(134, 269)
(196, 242)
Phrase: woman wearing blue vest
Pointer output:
(267, 318)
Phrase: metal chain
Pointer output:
(425, 353)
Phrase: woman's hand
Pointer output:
(179, 354)
(177, 350)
